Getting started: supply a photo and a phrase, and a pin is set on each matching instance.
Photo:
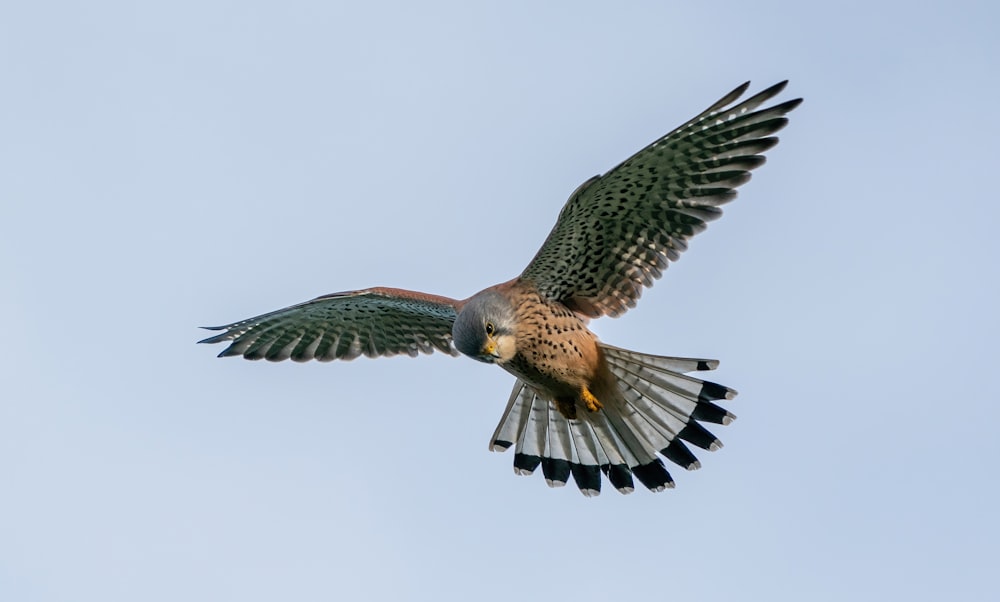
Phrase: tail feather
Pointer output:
(560, 451)
(655, 478)
(588, 457)
(662, 423)
(515, 417)
(658, 409)
(618, 451)
(582, 461)
(532, 441)
(696, 434)
(620, 476)
(588, 447)
(676, 365)
(597, 445)
(664, 372)
(679, 454)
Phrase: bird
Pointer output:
(580, 408)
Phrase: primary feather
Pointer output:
(617, 232)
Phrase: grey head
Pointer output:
(485, 329)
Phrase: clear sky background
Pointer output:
(176, 164)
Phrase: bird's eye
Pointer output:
(490, 329)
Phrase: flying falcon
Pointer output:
(579, 406)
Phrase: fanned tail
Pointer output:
(658, 408)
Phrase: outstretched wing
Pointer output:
(618, 231)
(373, 322)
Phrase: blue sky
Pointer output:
(180, 164)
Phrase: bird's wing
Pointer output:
(618, 231)
(373, 322)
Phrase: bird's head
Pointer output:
(485, 328)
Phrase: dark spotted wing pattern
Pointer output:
(618, 231)
(373, 322)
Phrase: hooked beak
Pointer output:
(490, 351)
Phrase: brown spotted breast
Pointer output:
(556, 352)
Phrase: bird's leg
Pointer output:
(589, 400)
(566, 407)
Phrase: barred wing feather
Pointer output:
(618, 232)
(373, 322)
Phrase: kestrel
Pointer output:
(579, 407)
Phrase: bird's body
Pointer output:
(579, 407)
(562, 368)
(555, 351)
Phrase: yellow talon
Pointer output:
(590, 401)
